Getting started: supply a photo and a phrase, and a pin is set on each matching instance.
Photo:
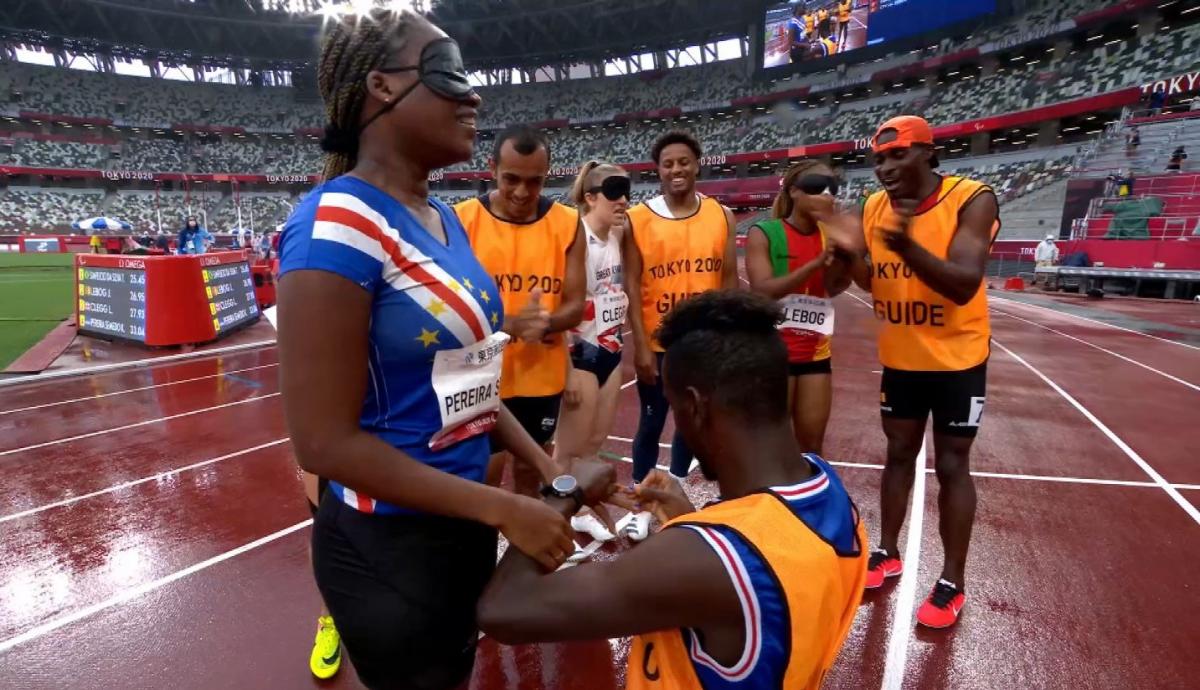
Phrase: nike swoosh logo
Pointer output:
(329, 660)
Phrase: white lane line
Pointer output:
(148, 361)
(901, 632)
(1084, 318)
(152, 478)
(115, 429)
(1061, 480)
(993, 475)
(1150, 471)
(142, 589)
(1118, 355)
(133, 390)
(622, 439)
(628, 460)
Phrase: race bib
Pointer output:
(611, 308)
(466, 382)
(807, 313)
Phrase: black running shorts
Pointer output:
(403, 590)
(820, 366)
(537, 415)
(601, 362)
(955, 398)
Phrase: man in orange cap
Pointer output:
(927, 238)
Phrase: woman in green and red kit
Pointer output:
(795, 259)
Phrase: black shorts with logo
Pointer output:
(955, 398)
(537, 415)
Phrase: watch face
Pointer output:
(564, 484)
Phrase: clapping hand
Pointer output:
(898, 239)
(843, 231)
(532, 322)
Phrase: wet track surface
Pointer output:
(158, 511)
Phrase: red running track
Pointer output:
(154, 527)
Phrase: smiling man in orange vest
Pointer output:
(928, 238)
(534, 248)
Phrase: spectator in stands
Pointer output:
(1158, 99)
(1178, 156)
(1132, 139)
(1120, 183)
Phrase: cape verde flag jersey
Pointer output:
(435, 342)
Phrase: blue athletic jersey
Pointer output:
(822, 504)
(426, 297)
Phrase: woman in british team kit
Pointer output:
(390, 350)
(793, 258)
(601, 192)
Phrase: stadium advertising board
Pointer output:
(41, 245)
(1174, 86)
(800, 31)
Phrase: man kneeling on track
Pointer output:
(758, 589)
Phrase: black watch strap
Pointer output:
(548, 491)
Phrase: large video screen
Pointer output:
(805, 30)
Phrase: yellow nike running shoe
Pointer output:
(326, 656)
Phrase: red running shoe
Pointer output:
(941, 609)
(880, 567)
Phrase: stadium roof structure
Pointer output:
(493, 33)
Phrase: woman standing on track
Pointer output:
(601, 192)
(390, 347)
(791, 258)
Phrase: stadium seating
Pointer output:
(44, 210)
(268, 131)
(163, 104)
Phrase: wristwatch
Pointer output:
(564, 486)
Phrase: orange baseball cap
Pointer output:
(909, 129)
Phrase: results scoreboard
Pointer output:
(229, 289)
(112, 301)
(164, 300)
